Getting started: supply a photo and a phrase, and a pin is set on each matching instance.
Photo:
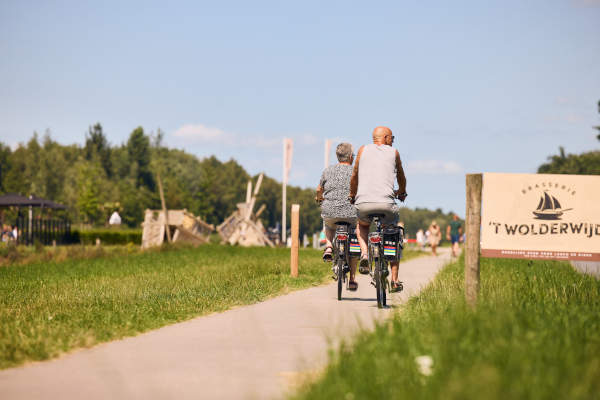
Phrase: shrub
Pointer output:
(109, 236)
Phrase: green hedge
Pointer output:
(109, 236)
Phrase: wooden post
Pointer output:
(473, 245)
(164, 206)
(295, 232)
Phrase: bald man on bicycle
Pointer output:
(376, 169)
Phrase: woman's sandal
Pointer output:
(328, 254)
(397, 287)
(352, 285)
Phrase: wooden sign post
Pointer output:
(473, 245)
(295, 233)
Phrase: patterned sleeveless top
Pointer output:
(335, 182)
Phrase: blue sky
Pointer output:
(465, 86)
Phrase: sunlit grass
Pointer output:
(50, 307)
(534, 335)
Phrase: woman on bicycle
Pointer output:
(332, 193)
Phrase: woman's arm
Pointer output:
(319, 196)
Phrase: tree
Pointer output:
(598, 127)
(578, 164)
(587, 163)
(88, 187)
(5, 164)
(97, 147)
(138, 151)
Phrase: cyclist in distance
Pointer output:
(332, 193)
(376, 168)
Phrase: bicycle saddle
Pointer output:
(343, 223)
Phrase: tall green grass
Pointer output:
(49, 308)
(534, 335)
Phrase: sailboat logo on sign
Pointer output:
(549, 208)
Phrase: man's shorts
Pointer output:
(330, 222)
(389, 210)
(455, 238)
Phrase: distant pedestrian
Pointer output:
(7, 234)
(435, 235)
(453, 233)
(420, 239)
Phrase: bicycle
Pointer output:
(384, 245)
(341, 256)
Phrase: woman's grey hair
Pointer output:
(344, 152)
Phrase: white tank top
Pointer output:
(376, 174)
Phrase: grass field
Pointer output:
(20, 255)
(47, 308)
(534, 335)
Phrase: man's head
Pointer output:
(455, 217)
(344, 153)
(383, 135)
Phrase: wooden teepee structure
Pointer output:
(184, 226)
(243, 227)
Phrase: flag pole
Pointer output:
(327, 151)
(283, 194)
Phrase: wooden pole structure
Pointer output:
(260, 210)
(164, 206)
(295, 233)
(473, 230)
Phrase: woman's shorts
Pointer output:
(389, 211)
(330, 222)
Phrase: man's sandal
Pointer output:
(397, 287)
(352, 286)
(363, 267)
(328, 254)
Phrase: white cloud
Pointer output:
(574, 118)
(261, 142)
(308, 139)
(201, 133)
(432, 167)
(589, 3)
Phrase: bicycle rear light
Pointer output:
(341, 236)
(375, 239)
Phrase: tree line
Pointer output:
(98, 178)
(586, 163)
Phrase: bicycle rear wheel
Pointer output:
(380, 284)
(340, 275)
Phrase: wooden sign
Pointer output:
(539, 216)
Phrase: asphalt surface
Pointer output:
(259, 351)
(587, 267)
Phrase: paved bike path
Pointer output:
(251, 352)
